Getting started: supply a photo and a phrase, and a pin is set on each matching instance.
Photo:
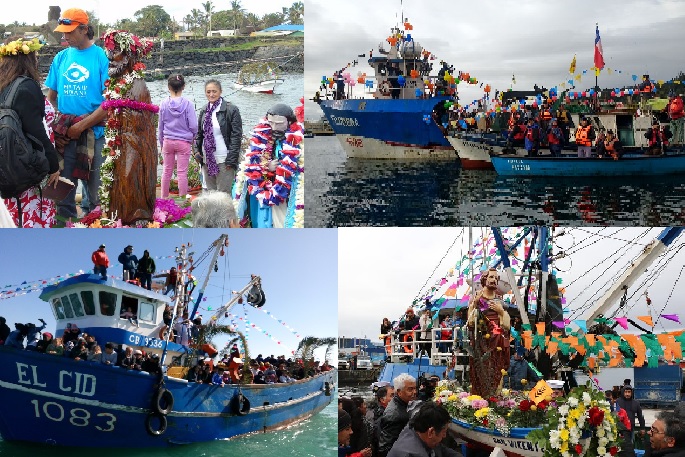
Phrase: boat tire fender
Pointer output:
(240, 405)
(162, 424)
(327, 389)
(164, 401)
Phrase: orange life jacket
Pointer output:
(609, 145)
(407, 337)
(546, 115)
(520, 132)
(675, 108)
(647, 88)
(388, 345)
(583, 136)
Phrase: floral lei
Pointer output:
(115, 101)
(272, 188)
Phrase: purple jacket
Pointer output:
(177, 120)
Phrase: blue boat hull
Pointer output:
(388, 129)
(55, 400)
(632, 165)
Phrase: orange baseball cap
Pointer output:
(71, 19)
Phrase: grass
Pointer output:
(245, 46)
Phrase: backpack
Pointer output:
(22, 159)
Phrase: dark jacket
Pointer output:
(393, 420)
(410, 445)
(29, 103)
(128, 261)
(231, 126)
(518, 370)
(633, 409)
(669, 452)
(146, 265)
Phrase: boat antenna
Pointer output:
(402, 11)
(222, 241)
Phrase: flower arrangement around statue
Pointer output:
(580, 424)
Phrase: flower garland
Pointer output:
(273, 188)
(116, 101)
(20, 46)
(167, 212)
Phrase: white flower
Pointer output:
(573, 402)
(565, 454)
(601, 450)
(563, 410)
(600, 432)
(586, 398)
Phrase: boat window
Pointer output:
(108, 303)
(147, 312)
(76, 305)
(59, 309)
(129, 307)
(88, 302)
(67, 307)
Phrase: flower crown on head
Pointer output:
(127, 43)
(20, 46)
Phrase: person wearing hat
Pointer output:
(555, 138)
(633, 409)
(344, 435)
(557, 387)
(271, 173)
(585, 134)
(100, 262)
(146, 268)
(129, 263)
(519, 369)
(76, 82)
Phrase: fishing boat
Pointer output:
(318, 128)
(259, 78)
(60, 401)
(403, 117)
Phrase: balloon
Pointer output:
(418, 92)
(535, 104)
(401, 81)
(487, 88)
(613, 93)
(634, 77)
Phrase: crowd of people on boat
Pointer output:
(78, 136)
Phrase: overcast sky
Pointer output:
(381, 270)
(109, 12)
(533, 39)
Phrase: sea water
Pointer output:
(343, 191)
(314, 437)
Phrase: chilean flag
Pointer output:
(599, 58)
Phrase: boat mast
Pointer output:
(223, 240)
(504, 256)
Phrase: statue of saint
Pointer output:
(129, 174)
(489, 325)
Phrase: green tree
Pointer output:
(271, 19)
(208, 11)
(296, 13)
(198, 20)
(237, 14)
(221, 20)
(252, 20)
(152, 21)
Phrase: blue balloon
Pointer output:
(408, 37)
(401, 81)
(418, 92)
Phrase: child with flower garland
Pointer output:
(177, 128)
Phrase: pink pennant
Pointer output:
(443, 281)
(559, 324)
(671, 317)
(622, 321)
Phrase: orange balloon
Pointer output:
(487, 88)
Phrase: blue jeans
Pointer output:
(67, 207)
(99, 269)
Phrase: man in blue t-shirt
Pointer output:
(76, 82)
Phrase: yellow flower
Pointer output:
(564, 446)
(533, 408)
(452, 397)
(499, 348)
(548, 398)
(505, 392)
(25, 48)
(482, 412)
(574, 414)
(524, 381)
(563, 434)
(504, 372)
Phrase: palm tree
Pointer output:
(238, 13)
(252, 20)
(209, 9)
(296, 13)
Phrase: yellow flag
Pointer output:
(572, 68)
(540, 392)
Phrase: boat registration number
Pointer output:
(345, 121)
(518, 165)
(355, 142)
(77, 417)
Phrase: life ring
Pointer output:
(164, 401)
(162, 424)
(162, 332)
(407, 338)
(388, 345)
(384, 88)
(240, 405)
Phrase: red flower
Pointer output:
(543, 404)
(485, 422)
(492, 399)
(596, 416)
(524, 405)
(613, 450)
(579, 449)
(107, 83)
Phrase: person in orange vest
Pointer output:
(646, 86)
(545, 118)
(100, 262)
(612, 145)
(677, 115)
(584, 136)
(555, 137)
(658, 139)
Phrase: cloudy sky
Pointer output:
(381, 270)
(533, 39)
(110, 12)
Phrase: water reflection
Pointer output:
(350, 192)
